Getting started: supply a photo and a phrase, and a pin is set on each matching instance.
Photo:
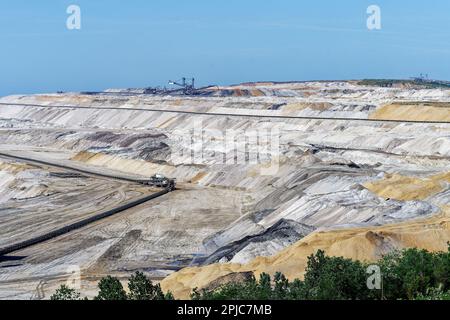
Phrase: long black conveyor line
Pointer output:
(79, 224)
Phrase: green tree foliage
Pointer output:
(169, 296)
(263, 289)
(414, 272)
(111, 289)
(65, 293)
(335, 278)
(434, 294)
(142, 288)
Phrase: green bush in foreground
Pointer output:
(65, 293)
(414, 272)
(434, 294)
(110, 288)
(142, 288)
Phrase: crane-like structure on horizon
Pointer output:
(421, 78)
(188, 88)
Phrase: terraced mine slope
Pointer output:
(365, 244)
(355, 170)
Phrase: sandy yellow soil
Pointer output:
(126, 165)
(14, 167)
(367, 244)
(405, 188)
(413, 111)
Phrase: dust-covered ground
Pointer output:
(234, 202)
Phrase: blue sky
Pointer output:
(139, 43)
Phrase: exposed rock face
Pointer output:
(280, 235)
(235, 202)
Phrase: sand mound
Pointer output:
(413, 111)
(403, 188)
(367, 244)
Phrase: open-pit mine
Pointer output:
(266, 174)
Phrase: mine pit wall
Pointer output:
(343, 155)
(391, 138)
